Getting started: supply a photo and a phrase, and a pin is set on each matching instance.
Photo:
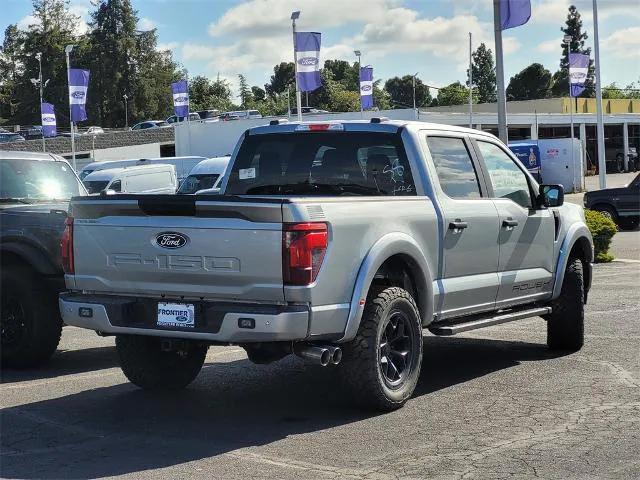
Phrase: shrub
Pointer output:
(602, 229)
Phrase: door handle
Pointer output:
(509, 223)
(457, 225)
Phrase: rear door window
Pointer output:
(456, 173)
(322, 163)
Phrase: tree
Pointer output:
(283, 76)
(344, 73)
(484, 74)
(612, 91)
(573, 28)
(401, 92)
(532, 83)
(204, 94)
(258, 94)
(453, 94)
(10, 70)
(245, 91)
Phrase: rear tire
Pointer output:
(608, 212)
(629, 223)
(565, 324)
(146, 365)
(30, 321)
(381, 366)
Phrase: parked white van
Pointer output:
(159, 179)
(183, 165)
(206, 177)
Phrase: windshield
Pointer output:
(38, 180)
(326, 163)
(193, 183)
(96, 186)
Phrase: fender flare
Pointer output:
(390, 244)
(578, 232)
(32, 255)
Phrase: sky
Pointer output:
(396, 37)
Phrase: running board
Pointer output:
(473, 323)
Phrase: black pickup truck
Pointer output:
(622, 205)
(34, 194)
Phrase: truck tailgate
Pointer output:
(175, 246)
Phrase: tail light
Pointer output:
(66, 246)
(303, 249)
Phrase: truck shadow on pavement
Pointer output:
(120, 429)
(65, 362)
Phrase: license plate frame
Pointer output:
(176, 315)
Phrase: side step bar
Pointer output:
(473, 323)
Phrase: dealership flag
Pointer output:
(366, 87)
(578, 70)
(48, 120)
(78, 84)
(308, 57)
(180, 92)
(514, 13)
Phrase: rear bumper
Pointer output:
(215, 322)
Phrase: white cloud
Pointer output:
(623, 43)
(167, 46)
(25, 22)
(549, 46)
(146, 24)
(79, 9)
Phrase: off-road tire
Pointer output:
(24, 293)
(360, 372)
(628, 223)
(608, 212)
(146, 365)
(565, 324)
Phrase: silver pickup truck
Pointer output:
(339, 242)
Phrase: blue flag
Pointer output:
(578, 72)
(48, 120)
(366, 87)
(78, 84)
(307, 48)
(180, 92)
(514, 13)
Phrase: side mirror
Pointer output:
(551, 195)
(104, 193)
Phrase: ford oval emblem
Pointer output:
(78, 94)
(308, 61)
(366, 88)
(171, 240)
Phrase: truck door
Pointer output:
(469, 248)
(527, 233)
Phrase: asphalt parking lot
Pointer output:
(494, 403)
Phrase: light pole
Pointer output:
(126, 112)
(67, 52)
(358, 54)
(41, 86)
(294, 16)
(567, 39)
(602, 165)
(414, 95)
(470, 83)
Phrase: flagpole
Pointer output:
(602, 165)
(294, 17)
(502, 101)
(39, 57)
(67, 51)
(470, 83)
(567, 41)
(359, 55)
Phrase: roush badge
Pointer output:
(171, 240)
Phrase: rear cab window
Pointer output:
(323, 164)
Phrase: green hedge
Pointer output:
(602, 229)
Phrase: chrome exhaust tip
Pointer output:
(320, 355)
(336, 354)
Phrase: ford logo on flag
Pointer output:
(365, 88)
(171, 240)
(308, 61)
(48, 119)
(181, 99)
(77, 94)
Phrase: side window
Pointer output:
(508, 180)
(456, 173)
(116, 186)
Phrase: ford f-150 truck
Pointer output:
(340, 242)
